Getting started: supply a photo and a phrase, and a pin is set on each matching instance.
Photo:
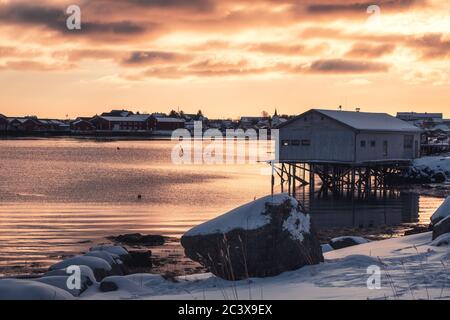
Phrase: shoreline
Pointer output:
(169, 259)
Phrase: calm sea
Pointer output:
(57, 195)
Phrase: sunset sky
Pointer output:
(227, 57)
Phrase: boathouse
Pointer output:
(347, 137)
(343, 152)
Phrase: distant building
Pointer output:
(422, 120)
(117, 113)
(82, 125)
(26, 125)
(163, 124)
(330, 136)
(122, 123)
(3, 123)
(53, 125)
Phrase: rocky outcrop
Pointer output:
(137, 239)
(260, 239)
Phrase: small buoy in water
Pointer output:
(139, 197)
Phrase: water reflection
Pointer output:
(392, 208)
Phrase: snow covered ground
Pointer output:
(410, 269)
(434, 164)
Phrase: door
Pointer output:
(385, 148)
(408, 150)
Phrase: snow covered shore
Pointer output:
(430, 169)
(411, 268)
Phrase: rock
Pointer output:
(442, 212)
(108, 286)
(61, 282)
(115, 283)
(260, 239)
(87, 275)
(117, 250)
(418, 229)
(137, 239)
(114, 261)
(15, 289)
(438, 177)
(442, 227)
(139, 259)
(326, 248)
(346, 241)
(100, 267)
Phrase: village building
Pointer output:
(348, 137)
(82, 125)
(165, 124)
(3, 123)
(120, 123)
(25, 124)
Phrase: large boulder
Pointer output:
(442, 227)
(15, 289)
(346, 241)
(263, 238)
(442, 212)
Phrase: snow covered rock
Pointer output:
(14, 289)
(114, 261)
(442, 240)
(442, 227)
(87, 275)
(61, 282)
(442, 212)
(429, 169)
(262, 238)
(346, 241)
(326, 248)
(117, 250)
(100, 267)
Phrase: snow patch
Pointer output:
(15, 289)
(92, 262)
(117, 250)
(250, 216)
(297, 224)
(442, 240)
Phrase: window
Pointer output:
(373, 143)
(363, 143)
(306, 142)
(408, 142)
(285, 143)
(295, 142)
